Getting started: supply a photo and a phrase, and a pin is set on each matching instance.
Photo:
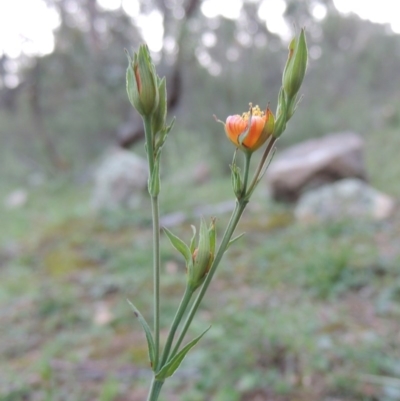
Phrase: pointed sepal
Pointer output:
(170, 368)
(233, 240)
(149, 337)
(179, 245)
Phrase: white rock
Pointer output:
(120, 180)
(316, 162)
(345, 199)
(16, 199)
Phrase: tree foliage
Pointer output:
(72, 102)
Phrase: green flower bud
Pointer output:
(296, 65)
(237, 184)
(203, 255)
(142, 83)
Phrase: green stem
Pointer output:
(260, 166)
(175, 323)
(155, 389)
(247, 158)
(233, 222)
(156, 276)
(237, 213)
(149, 143)
(156, 240)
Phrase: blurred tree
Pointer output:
(132, 131)
(35, 97)
(75, 96)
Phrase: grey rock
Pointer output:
(314, 163)
(120, 180)
(16, 199)
(346, 199)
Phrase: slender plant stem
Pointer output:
(233, 222)
(175, 323)
(149, 143)
(156, 276)
(247, 158)
(156, 241)
(155, 389)
(260, 166)
(240, 206)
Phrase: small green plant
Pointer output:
(328, 273)
(248, 132)
(109, 391)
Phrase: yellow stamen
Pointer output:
(256, 111)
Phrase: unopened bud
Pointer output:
(203, 256)
(296, 65)
(237, 184)
(142, 83)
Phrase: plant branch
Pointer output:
(149, 143)
(175, 323)
(156, 276)
(260, 166)
(247, 158)
(156, 241)
(240, 206)
(155, 389)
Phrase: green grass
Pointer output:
(381, 153)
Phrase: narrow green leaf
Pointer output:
(169, 369)
(179, 245)
(146, 328)
(295, 106)
(161, 138)
(129, 80)
(212, 232)
(233, 240)
(169, 128)
(193, 240)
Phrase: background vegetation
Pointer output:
(311, 314)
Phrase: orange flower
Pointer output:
(250, 138)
